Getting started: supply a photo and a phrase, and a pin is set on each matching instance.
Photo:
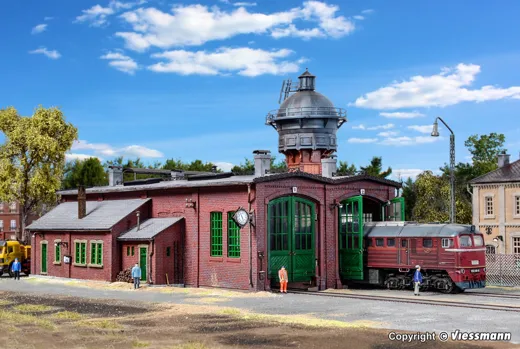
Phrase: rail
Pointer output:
(306, 112)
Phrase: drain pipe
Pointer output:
(250, 238)
(150, 259)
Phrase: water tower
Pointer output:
(306, 123)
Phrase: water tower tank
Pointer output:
(307, 123)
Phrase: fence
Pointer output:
(502, 269)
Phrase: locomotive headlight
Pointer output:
(484, 270)
(462, 271)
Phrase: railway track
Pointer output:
(418, 300)
(493, 295)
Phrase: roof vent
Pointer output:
(503, 159)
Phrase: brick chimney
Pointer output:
(328, 167)
(262, 162)
(503, 159)
(82, 202)
(115, 175)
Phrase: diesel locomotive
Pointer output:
(452, 256)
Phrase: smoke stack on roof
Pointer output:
(503, 159)
(262, 162)
(115, 175)
(328, 167)
(82, 202)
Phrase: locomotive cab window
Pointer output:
(404, 243)
(465, 241)
(390, 242)
(369, 242)
(477, 239)
(380, 242)
(427, 243)
(447, 243)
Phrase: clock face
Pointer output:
(242, 217)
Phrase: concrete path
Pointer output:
(378, 314)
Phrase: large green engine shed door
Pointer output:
(291, 232)
(394, 210)
(351, 238)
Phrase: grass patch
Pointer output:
(67, 315)
(32, 308)
(102, 324)
(14, 318)
(4, 303)
(192, 345)
(303, 320)
(138, 344)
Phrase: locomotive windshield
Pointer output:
(477, 239)
(465, 241)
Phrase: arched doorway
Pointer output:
(291, 238)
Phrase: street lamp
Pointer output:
(435, 133)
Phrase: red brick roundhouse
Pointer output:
(186, 230)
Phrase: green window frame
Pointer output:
(233, 234)
(96, 253)
(168, 251)
(57, 252)
(128, 250)
(80, 255)
(216, 234)
(133, 250)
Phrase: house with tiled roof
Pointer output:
(496, 206)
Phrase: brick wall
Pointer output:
(162, 263)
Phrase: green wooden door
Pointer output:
(44, 258)
(394, 210)
(291, 228)
(142, 262)
(351, 238)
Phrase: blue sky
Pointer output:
(195, 79)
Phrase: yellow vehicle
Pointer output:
(9, 250)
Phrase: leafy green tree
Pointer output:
(484, 150)
(88, 172)
(32, 159)
(432, 198)
(248, 167)
(344, 169)
(375, 168)
(410, 198)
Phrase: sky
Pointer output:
(190, 80)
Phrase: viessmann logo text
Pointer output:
(444, 336)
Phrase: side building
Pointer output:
(496, 206)
(11, 220)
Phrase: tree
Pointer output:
(410, 198)
(345, 170)
(484, 150)
(375, 168)
(248, 167)
(32, 158)
(433, 195)
(88, 172)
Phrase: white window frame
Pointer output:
(1, 225)
(516, 205)
(12, 207)
(447, 242)
(11, 225)
(515, 244)
(486, 214)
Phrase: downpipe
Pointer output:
(250, 238)
(150, 281)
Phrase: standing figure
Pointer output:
(417, 279)
(136, 274)
(16, 269)
(282, 275)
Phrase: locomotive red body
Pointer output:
(452, 256)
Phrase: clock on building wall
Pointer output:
(241, 217)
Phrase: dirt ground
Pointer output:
(47, 322)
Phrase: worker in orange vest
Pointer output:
(282, 275)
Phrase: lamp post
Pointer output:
(435, 133)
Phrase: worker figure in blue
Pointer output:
(16, 269)
(417, 280)
(136, 275)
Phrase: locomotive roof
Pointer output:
(410, 229)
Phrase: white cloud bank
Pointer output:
(447, 88)
(407, 141)
(362, 140)
(194, 25)
(402, 115)
(52, 54)
(121, 62)
(247, 61)
(98, 15)
(108, 150)
(40, 28)
(373, 128)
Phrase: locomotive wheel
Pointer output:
(392, 283)
(450, 287)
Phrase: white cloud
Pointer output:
(406, 141)
(362, 140)
(441, 90)
(75, 156)
(406, 173)
(97, 15)
(121, 62)
(368, 11)
(224, 166)
(48, 18)
(108, 150)
(198, 24)
(373, 128)
(402, 115)
(40, 28)
(388, 133)
(52, 54)
(247, 61)
(423, 128)
(244, 4)
(359, 18)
